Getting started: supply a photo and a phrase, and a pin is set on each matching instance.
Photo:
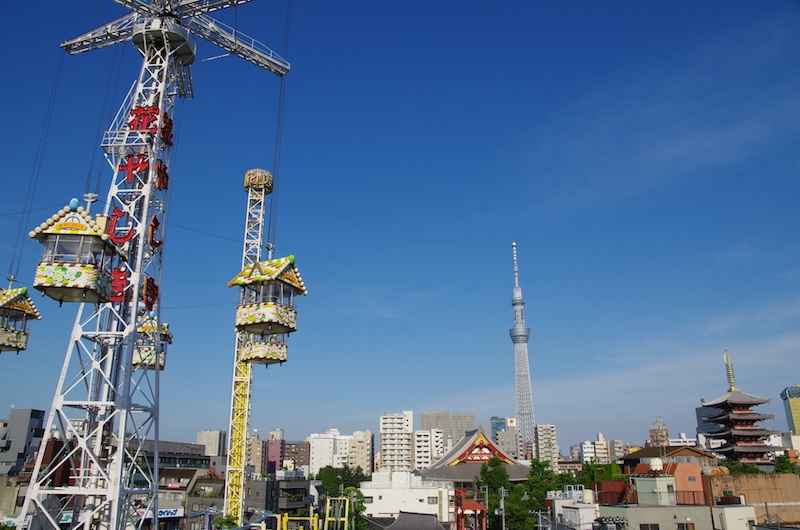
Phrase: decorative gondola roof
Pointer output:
(282, 269)
(73, 220)
(463, 462)
(18, 299)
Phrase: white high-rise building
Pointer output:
(428, 447)
(214, 441)
(328, 449)
(397, 441)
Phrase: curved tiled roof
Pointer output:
(736, 397)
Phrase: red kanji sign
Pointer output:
(133, 164)
(144, 119)
(119, 280)
(149, 292)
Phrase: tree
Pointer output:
(224, 521)
(492, 477)
(740, 468)
(783, 464)
(334, 478)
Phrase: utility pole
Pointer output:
(503, 493)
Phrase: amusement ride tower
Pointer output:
(93, 471)
(522, 374)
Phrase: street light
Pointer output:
(503, 492)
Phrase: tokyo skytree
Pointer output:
(519, 336)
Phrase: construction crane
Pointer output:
(264, 317)
(99, 467)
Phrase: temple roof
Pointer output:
(416, 521)
(463, 462)
(666, 452)
(736, 397)
(282, 269)
(18, 299)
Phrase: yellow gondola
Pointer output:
(267, 312)
(77, 262)
(16, 308)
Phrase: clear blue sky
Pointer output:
(643, 155)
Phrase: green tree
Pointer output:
(740, 468)
(334, 478)
(595, 472)
(492, 477)
(6, 527)
(783, 464)
(356, 507)
(224, 521)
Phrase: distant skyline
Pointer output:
(644, 157)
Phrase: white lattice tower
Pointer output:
(522, 375)
(94, 471)
(104, 410)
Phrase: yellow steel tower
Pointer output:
(265, 316)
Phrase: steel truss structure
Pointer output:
(98, 469)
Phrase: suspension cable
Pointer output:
(16, 256)
(273, 208)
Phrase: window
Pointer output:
(367, 500)
(685, 526)
(692, 479)
(433, 500)
(648, 526)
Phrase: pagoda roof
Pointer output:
(739, 416)
(18, 299)
(744, 433)
(736, 397)
(282, 269)
(666, 452)
(463, 462)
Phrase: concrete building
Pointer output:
(360, 452)
(601, 450)
(452, 425)
(547, 443)
(428, 447)
(397, 441)
(330, 448)
(256, 458)
(20, 436)
(791, 404)
(297, 456)
(496, 425)
(215, 442)
(389, 493)
(510, 442)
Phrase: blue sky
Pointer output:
(643, 155)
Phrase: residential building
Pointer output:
(601, 450)
(276, 448)
(547, 443)
(215, 442)
(20, 437)
(452, 425)
(256, 458)
(791, 404)
(397, 441)
(360, 451)
(330, 448)
(297, 456)
(428, 447)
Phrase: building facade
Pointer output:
(791, 404)
(20, 437)
(428, 447)
(215, 442)
(397, 441)
(452, 425)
